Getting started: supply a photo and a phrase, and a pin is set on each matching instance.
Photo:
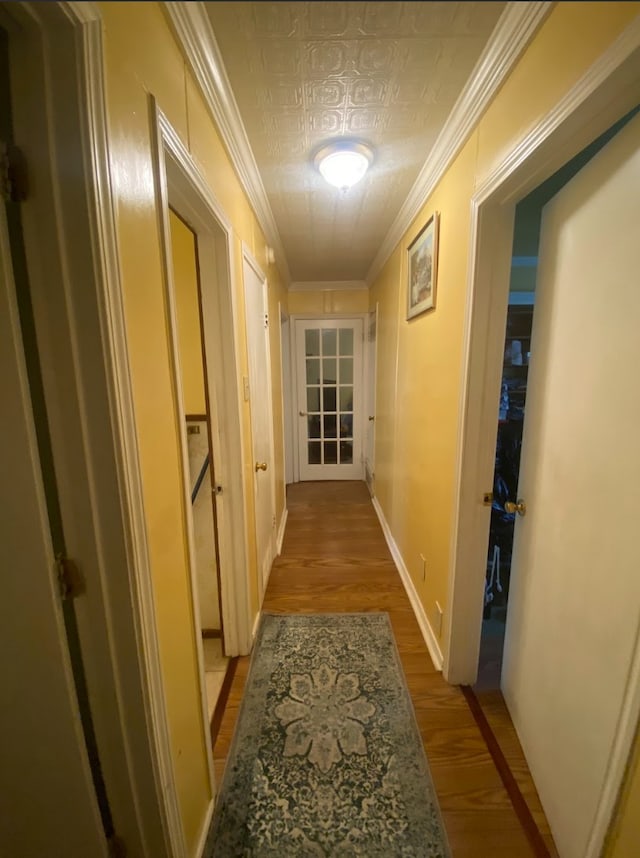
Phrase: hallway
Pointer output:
(334, 559)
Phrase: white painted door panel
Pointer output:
(261, 415)
(48, 801)
(574, 601)
(329, 388)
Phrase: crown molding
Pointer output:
(621, 50)
(327, 285)
(512, 34)
(196, 38)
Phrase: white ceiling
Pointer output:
(305, 73)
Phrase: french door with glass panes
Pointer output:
(329, 371)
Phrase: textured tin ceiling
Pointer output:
(307, 73)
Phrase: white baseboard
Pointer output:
(281, 530)
(202, 842)
(425, 627)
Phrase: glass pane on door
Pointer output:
(329, 356)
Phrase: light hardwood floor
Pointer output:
(335, 559)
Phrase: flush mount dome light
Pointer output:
(343, 163)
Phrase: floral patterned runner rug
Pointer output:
(326, 759)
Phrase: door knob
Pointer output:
(302, 413)
(520, 507)
(372, 418)
(261, 466)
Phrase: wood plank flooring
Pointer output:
(335, 559)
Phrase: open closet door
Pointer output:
(571, 659)
(49, 806)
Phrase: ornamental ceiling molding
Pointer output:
(514, 30)
(195, 35)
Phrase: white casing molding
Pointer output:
(281, 530)
(425, 626)
(195, 35)
(512, 34)
(256, 623)
(187, 189)
(204, 830)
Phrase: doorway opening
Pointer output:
(511, 411)
(197, 416)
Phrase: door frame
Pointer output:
(287, 397)
(79, 323)
(321, 317)
(605, 93)
(370, 395)
(284, 329)
(249, 259)
(181, 185)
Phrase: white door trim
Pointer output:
(606, 92)
(250, 260)
(80, 320)
(285, 405)
(370, 397)
(163, 196)
(186, 188)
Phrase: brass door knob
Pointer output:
(520, 507)
(372, 418)
(261, 466)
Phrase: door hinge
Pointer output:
(70, 579)
(13, 174)
(266, 320)
(117, 848)
(487, 498)
(274, 521)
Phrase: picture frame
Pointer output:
(422, 268)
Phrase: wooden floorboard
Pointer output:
(497, 715)
(335, 559)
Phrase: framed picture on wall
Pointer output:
(422, 268)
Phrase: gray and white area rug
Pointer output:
(326, 760)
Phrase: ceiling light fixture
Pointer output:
(343, 162)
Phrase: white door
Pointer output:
(574, 601)
(370, 406)
(256, 304)
(48, 801)
(329, 374)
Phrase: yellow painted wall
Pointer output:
(624, 837)
(419, 362)
(185, 281)
(141, 57)
(319, 302)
